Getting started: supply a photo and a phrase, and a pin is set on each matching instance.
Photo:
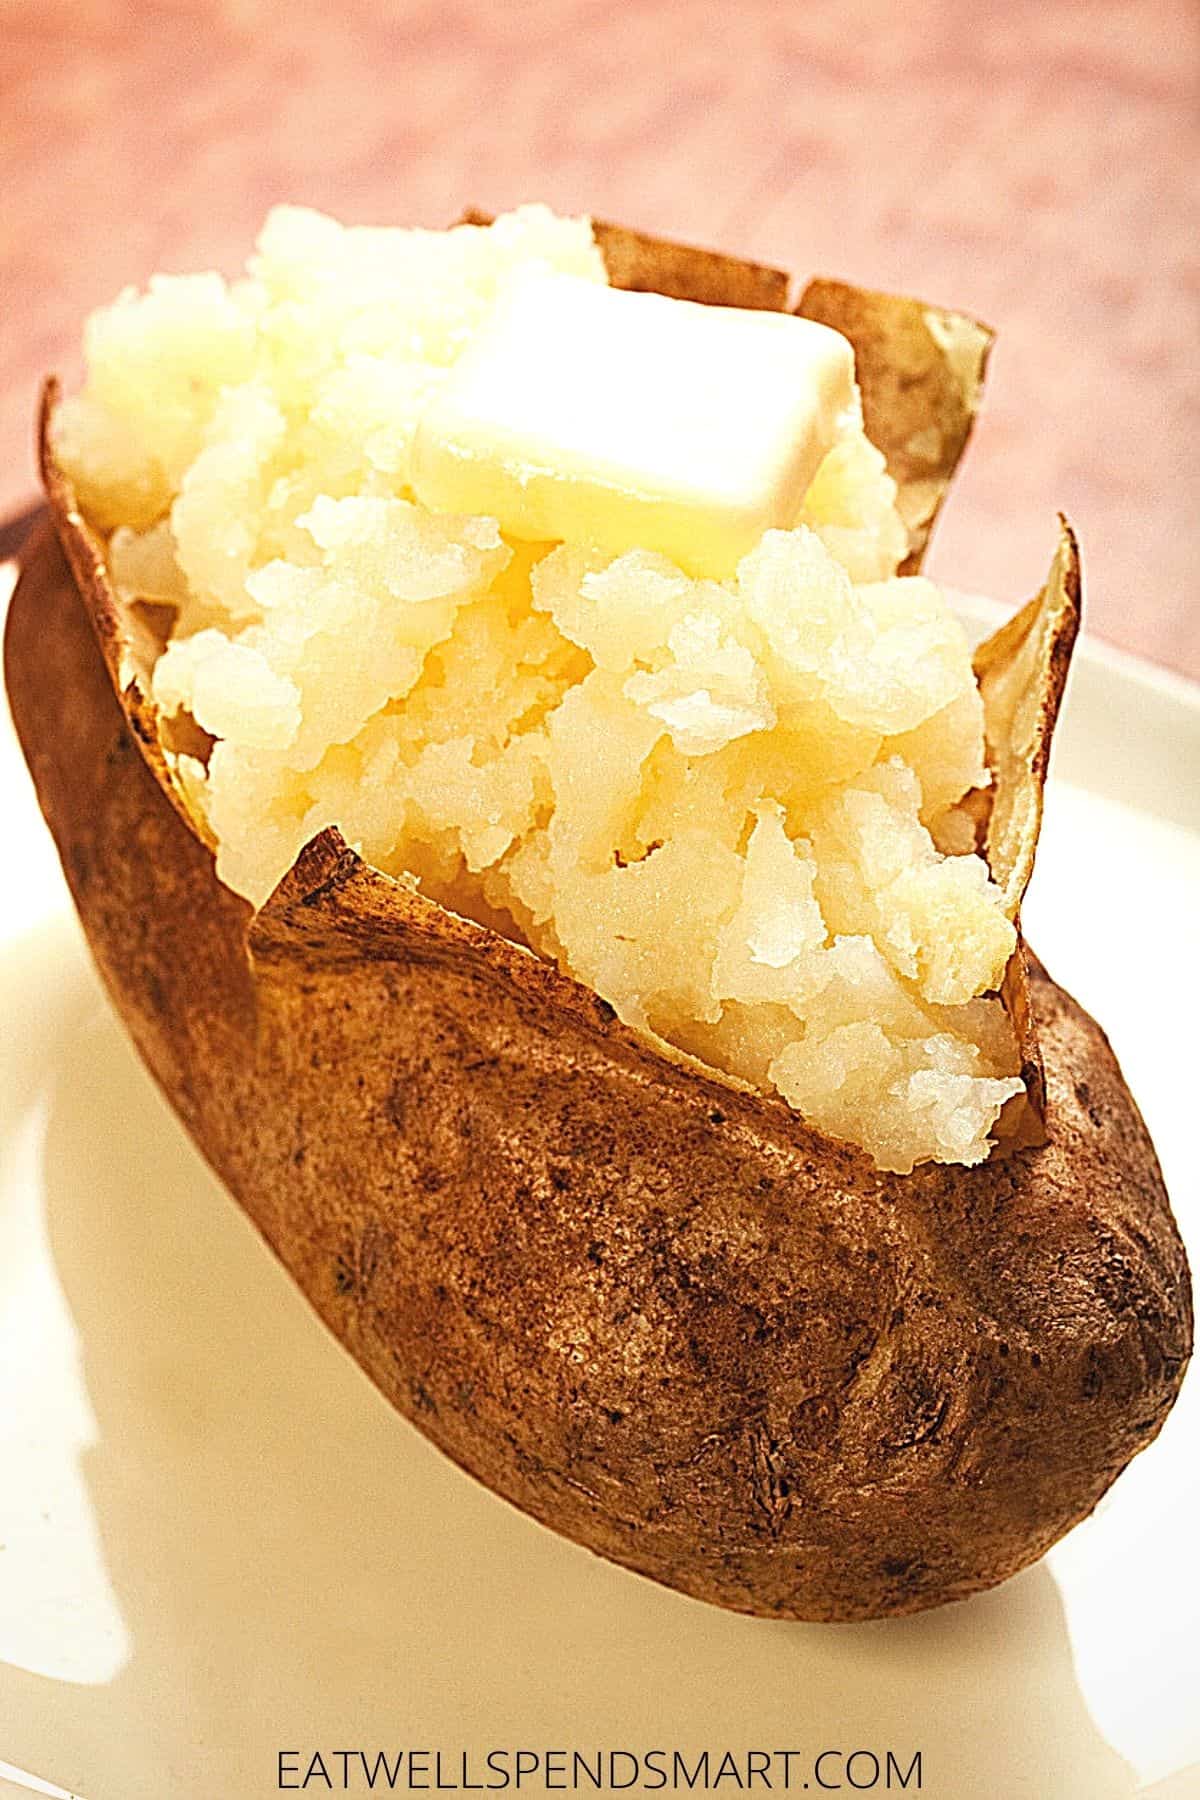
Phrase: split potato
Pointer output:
(653, 1309)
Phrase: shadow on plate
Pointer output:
(297, 1568)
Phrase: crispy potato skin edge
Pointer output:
(662, 1317)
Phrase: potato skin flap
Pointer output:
(658, 1313)
(921, 370)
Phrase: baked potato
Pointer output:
(651, 1307)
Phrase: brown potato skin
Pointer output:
(662, 1317)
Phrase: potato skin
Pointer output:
(663, 1317)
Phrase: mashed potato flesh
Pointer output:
(731, 808)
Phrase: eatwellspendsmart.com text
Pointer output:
(832, 1771)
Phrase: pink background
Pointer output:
(1034, 163)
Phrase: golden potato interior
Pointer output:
(904, 349)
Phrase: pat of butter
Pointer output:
(586, 413)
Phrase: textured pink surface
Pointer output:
(1033, 163)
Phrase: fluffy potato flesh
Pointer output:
(734, 809)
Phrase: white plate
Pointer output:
(217, 1542)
